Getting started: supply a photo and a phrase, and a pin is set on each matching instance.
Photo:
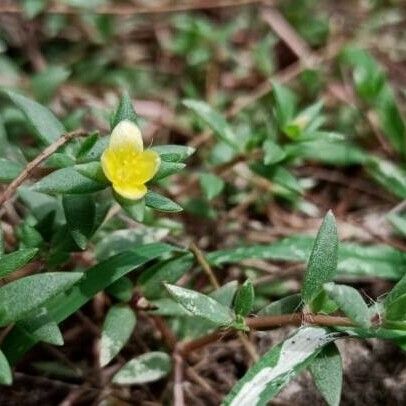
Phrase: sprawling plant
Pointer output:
(68, 214)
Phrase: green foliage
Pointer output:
(149, 367)
(47, 127)
(19, 298)
(9, 170)
(278, 366)
(201, 305)
(322, 264)
(215, 121)
(327, 372)
(244, 299)
(350, 302)
(15, 260)
(117, 329)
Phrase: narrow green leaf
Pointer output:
(69, 181)
(285, 103)
(96, 279)
(168, 168)
(20, 297)
(173, 153)
(396, 309)
(322, 264)
(397, 291)
(15, 260)
(122, 289)
(149, 367)
(80, 213)
(133, 208)
(244, 299)
(389, 175)
(117, 329)
(278, 366)
(211, 185)
(215, 121)
(327, 372)
(398, 222)
(92, 170)
(201, 305)
(161, 203)
(9, 170)
(273, 153)
(42, 327)
(125, 111)
(286, 305)
(170, 271)
(350, 302)
(6, 377)
(46, 125)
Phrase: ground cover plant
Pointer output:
(202, 203)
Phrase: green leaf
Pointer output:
(201, 305)
(286, 305)
(285, 104)
(92, 170)
(350, 302)
(215, 121)
(354, 259)
(168, 168)
(389, 175)
(134, 208)
(211, 185)
(322, 264)
(278, 366)
(117, 329)
(69, 181)
(170, 271)
(19, 298)
(161, 203)
(80, 213)
(244, 299)
(33, 7)
(125, 111)
(173, 153)
(6, 377)
(9, 170)
(397, 291)
(96, 279)
(396, 309)
(273, 153)
(122, 289)
(149, 367)
(46, 125)
(15, 260)
(45, 83)
(327, 372)
(42, 327)
(398, 222)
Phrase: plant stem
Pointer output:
(267, 323)
(46, 153)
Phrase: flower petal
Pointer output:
(126, 135)
(132, 192)
(108, 164)
(145, 166)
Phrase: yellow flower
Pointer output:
(125, 163)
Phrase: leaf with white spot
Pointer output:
(117, 329)
(146, 368)
(201, 305)
(278, 366)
